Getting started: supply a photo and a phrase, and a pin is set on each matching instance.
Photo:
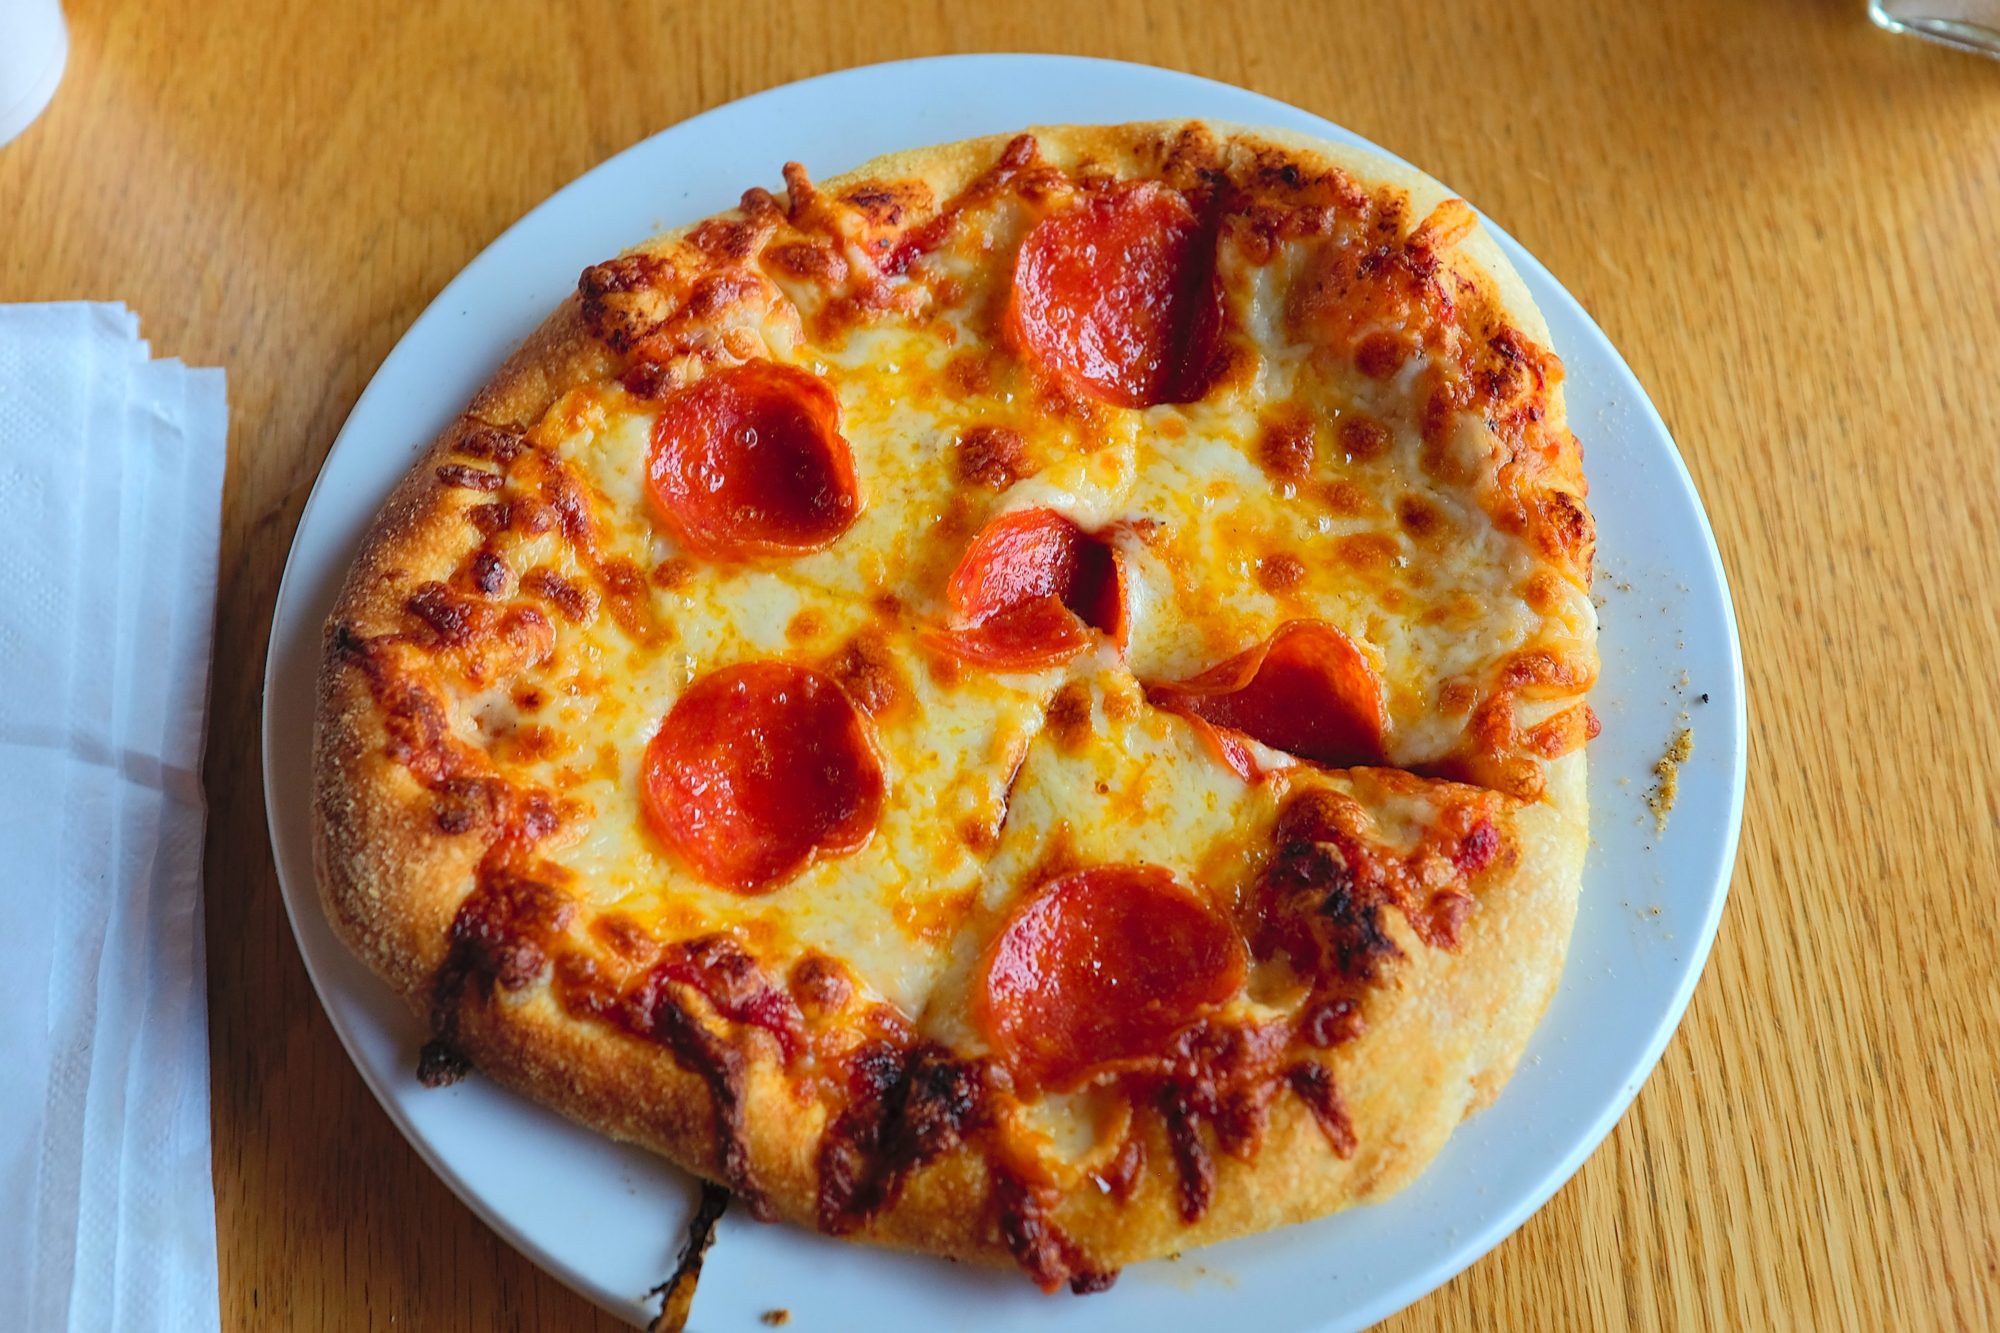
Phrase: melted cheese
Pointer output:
(1217, 555)
(1126, 784)
(948, 745)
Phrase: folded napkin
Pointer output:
(110, 494)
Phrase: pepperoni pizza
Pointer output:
(1026, 702)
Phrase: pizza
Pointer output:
(1027, 702)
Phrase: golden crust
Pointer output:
(391, 880)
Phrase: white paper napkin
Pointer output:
(110, 490)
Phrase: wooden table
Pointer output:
(1788, 221)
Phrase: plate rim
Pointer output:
(1452, 1260)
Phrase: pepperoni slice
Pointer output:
(758, 771)
(1099, 969)
(749, 461)
(1027, 637)
(1306, 690)
(1117, 295)
(1029, 589)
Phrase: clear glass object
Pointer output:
(1969, 25)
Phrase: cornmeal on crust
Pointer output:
(1150, 566)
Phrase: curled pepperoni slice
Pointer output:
(1117, 295)
(1029, 589)
(1306, 690)
(749, 461)
(1099, 969)
(758, 771)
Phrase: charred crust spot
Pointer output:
(717, 292)
(648, 379)
(1068, 715)
(941, 1097)
(1445, 916)
(1354, 921)
(492, 443)
(1363, 438)
(761, 206)
(1332, 1020)
(500, 936)
(1566, 530)
(627, 273)
(448, 617)
(622, 297)
(1478, 848)
(1193, 1162)
(979, 835)
(1021, 151)
(621, 578)
(990, 456)
(1558, 735)
(1049, 1257)
(533, 517)
(887, 203)
(488, 572)
(1381, 355)
(469, 478)
(820, 985)
(1192, 160)
(1280, 572)
(814, 261)
(1543, 591)
(719, 1065)
(1322, 895)
(909, 1108)
(726, 238)
(1121, 1178)
(1510, 344)
(970, 372)
(576, 602)
(1286, 447)
(1313, 1084)
(439, 1064)
(806, 626)
(800, 196)
(673, 572)
(1371, 551)
(491, 518)
(1419, 517)
(528, 633)
(418, 733)
(624, 936)
(866, 668)
(1538, 671)
(1220, 1075)
(461, 803)
(570, 509)
(349, 646)
(1441, 408)
(718, 969)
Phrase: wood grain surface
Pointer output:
(1788, 221)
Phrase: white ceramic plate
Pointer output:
(608, 1220)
